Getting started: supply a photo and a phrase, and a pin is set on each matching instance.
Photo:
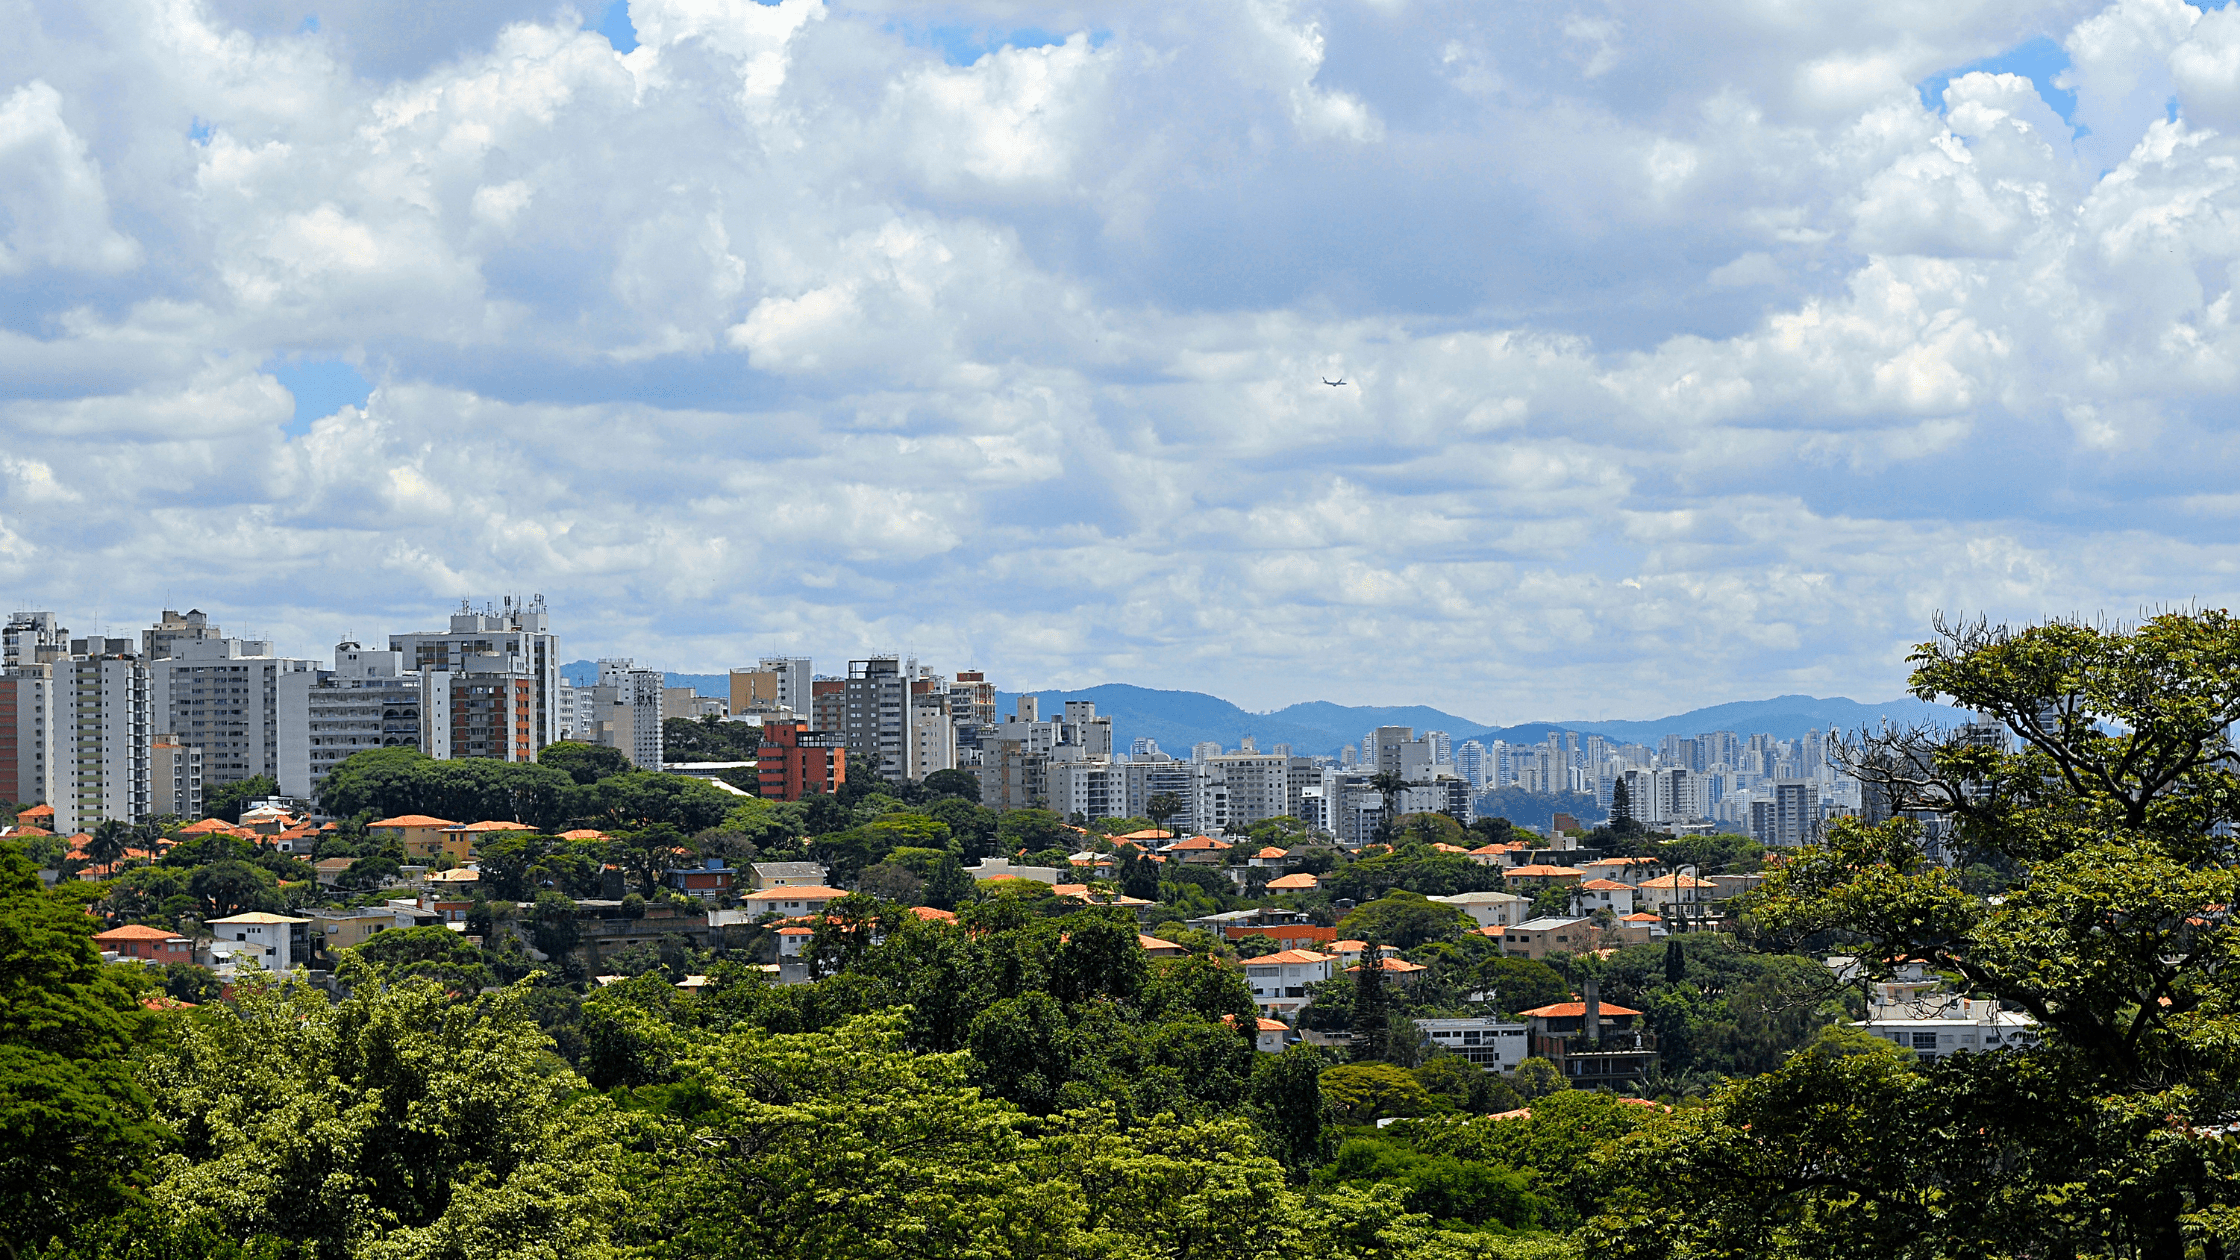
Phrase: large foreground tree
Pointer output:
(2111, 806)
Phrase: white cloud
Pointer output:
(55, 208)
(1669, 335)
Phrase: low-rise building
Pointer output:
(422, 836)
(1268, 1035)
(1198, 851)
(149, 944)
(1603, 894)
(275, 942)
(786, 875)
(1678, 888)
(1915, 1015)
(1301, 882)
(1001, 868)
(1489, 909)
(790, 900)
(1539, 938)
(1490, 1043)
(334, 930)
(1288, 935)
(1279, 981)
(709, 879)
(1538, 875)
(1591, 1042)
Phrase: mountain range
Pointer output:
(1177, 720)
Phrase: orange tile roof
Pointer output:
(1642, 917)
(1677, 881)
(136, 932)
(413, 820)
(1152, 834)
(583, 833)
(36, 811)
(1443, 847)
(31, 831)
(1291, 956)
(1154, 943)
(1272, 852)
(1394, 965)
(1301, 880)
(208, 826)
(1266, 1024)
(932, 915)
(1198, 844)
(1574, 1010)
(1605, 885)
(1348, 947)
(1543, 871)
(490, 826)
(1069, 890)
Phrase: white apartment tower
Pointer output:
(104, 685)
(368, 700)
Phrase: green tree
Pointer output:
(2115, 812)
(1537, 1078)
(1404, 919)
(108, 842)
(437, 953)
(948, 887)
(1621, 806)
(76, 1124)
(709, 739)
(959, 783)
(584, 763)
(1288, 1105)
(1363, 1092)
(1161, 807)
(1032, 829)
(231, 887)
(227, 800)
(1368, 1020)
(393, 1123)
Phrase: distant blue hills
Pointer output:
(1180, 719)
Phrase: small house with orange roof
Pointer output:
(1441, 846)
(213, 827)
(1541, 875)
(422, 835)
(1299, 882)
(1144, 839)
(1157, 948)
(1678, 887)
(1399, 970)
(790, 900)
(462, 839)
(1270, 856)
(35, 818)
(1591, 1042)
(1603, 894)
(1279, 981)
(1199, 851)
(1626, 870)
(1639, 928)
(581, 833)
(1268, 1034)
(159, 946)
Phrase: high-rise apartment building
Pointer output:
(626, 711)
(1795, 815)
(875, 716)
(368, 700)
(33, 638)
(174, 777)
(223, 696)
(795, 761)
(519, 633)
(104, 683)
(34, 732)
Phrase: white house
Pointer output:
(789, 900)
(1665, 890)
(1279, 981)
(1001, 868)
(1603, 894)
(1938, 1025)
(274, 942)
(1490, 909)
(1489, 1043)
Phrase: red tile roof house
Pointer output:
(1268, 1034)
(1279, 981)
(156, 945)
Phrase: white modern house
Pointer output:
(1490, 909)
(1936, 1025)
(274, 942)
(1489, 1043)
(1279, 981)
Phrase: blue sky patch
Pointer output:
(321, 388)
(614, 23)
(963, 45)
(2039, 61)
(200, 131)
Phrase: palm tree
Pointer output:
(1388, 785)
(1161, 807)
(108, 843)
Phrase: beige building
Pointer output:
(1541, 937)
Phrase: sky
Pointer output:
(1690, 352)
